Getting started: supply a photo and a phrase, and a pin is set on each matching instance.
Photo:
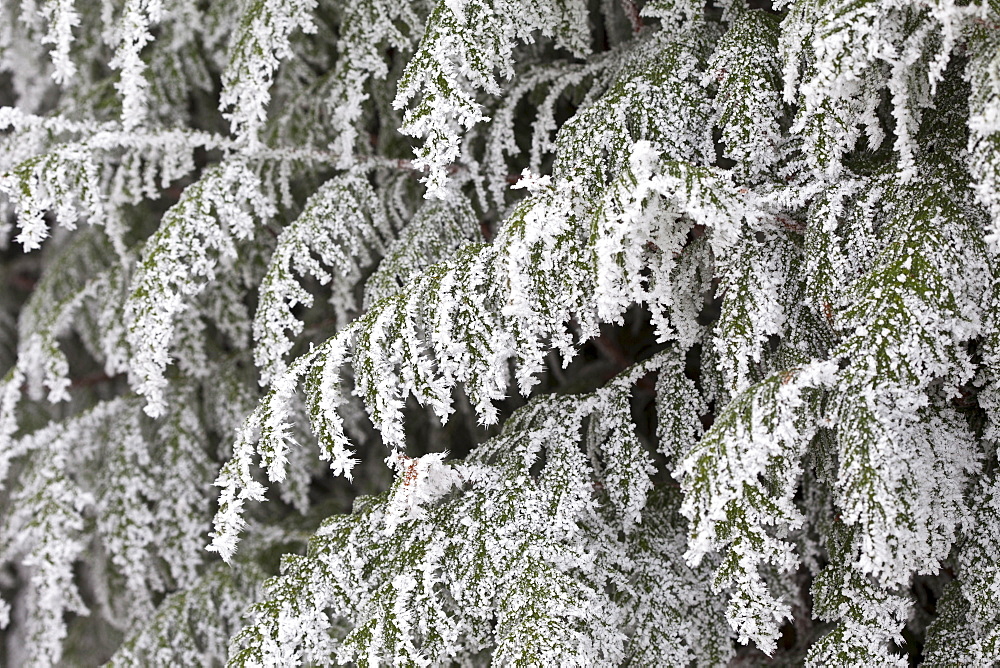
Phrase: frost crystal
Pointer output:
(553, 333)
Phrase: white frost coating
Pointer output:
(345, 226)
(56, 187)
(47, 539)
(762, 435)
(710, 198)
(138, 16)
(87, 180)
(62, 17)
(984, 126)
(219, 211)
(532, 182)
(425, 340)
(465, 44)
(366, 29)
(480, 555)
(139, 512)
(755, 295)
(257, 47)
(855, 52)
(420, 481)
(746, 66)
(10, 395)
(266, 432)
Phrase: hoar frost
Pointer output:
(520, 332)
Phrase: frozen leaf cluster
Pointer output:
(551, 333)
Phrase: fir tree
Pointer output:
(551, 333)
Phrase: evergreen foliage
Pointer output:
(610, 333)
